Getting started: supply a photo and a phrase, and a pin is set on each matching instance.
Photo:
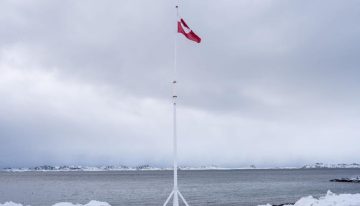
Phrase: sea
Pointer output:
(151, 188)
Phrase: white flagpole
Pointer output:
(175, 193)
(175, 199)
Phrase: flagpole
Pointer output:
(175, 199)
(175, 192)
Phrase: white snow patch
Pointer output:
(91, 203)
(330, 199)
(10, 204)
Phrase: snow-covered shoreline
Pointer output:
(48, 168)
(113, 168)
(91, 203)
(331, 166)
(330, 199)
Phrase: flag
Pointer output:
(183, 28)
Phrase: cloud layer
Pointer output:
(273, 83)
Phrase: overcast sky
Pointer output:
(273, 83)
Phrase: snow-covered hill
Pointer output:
(116, 168)
(148, 167)
(333, 166)
(82, 168)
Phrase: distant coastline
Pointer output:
(46, 168)
(331, 166)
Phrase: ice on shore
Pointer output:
(330, 199)
(91, 203)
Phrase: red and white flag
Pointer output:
(183, 28)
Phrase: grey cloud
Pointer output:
(88, 82)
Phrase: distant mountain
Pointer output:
(81, 168)
(331, 166)
(114, 168)
(149, 168)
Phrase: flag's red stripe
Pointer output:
(191, 35)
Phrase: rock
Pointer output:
(351, 180)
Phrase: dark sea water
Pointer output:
(135, 188)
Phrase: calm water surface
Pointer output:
(150, 188)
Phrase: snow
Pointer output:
(330, 199)
(10, 204)
(322, 165)
(65, 168)
(91, 203)
(48, 168)
(357, 178)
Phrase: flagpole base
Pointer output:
(175, 194)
